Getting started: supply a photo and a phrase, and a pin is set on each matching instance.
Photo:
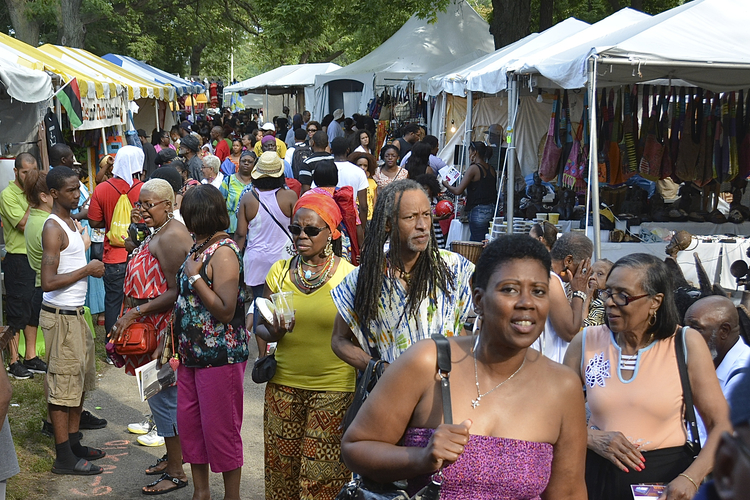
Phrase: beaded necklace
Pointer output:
(310, 281)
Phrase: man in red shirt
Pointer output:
(128, 166)
(222, 146)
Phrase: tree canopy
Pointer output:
(195, 37)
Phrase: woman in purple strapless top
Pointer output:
(522, 430)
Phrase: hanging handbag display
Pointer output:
(552, 145)
(628, 160)
(614, 175)
(363, 489)
(687, 155)
(667, 119)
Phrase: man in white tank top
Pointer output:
(70, 343)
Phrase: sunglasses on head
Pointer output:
(311, 231)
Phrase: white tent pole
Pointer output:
(468, 129)
(510, 156)
(670, 63)
(192, 108)
(593, 158)
(444, 110)
(430, 110)
(156, 108)
(265, 111)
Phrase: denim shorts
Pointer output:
(163, 406)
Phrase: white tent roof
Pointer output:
(565, 63)
(422, 83)
(279, 80)
(420, 46)
(23, 84)
(704, 42)
(487, 74)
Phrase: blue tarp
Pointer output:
(155, 74)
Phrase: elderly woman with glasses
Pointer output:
(312, 388)
(630, 368)
(211, 171)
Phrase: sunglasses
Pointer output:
(311, 231)
(147, 206)
(313, 130)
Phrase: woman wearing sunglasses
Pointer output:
(150, 293)
(629, 368)
(303, 447)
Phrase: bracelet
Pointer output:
(138, 310)
(689, 479)
(581, 295)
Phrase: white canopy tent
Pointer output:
(25, 95)
(415, 49)
(285, 80)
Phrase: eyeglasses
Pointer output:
(738, 442)
(147, 206)
(620, 299)
(311, 231)
(311, 130)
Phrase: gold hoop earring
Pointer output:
(329, 247)
(652, 320)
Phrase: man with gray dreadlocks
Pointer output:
(404, 294)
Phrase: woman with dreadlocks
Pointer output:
(404, 294)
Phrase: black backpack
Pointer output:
(301, 153)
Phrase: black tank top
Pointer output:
(405, 147)
(481, 192)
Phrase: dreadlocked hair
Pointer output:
(428, 274)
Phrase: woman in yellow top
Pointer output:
(369, 164)
(307, 397)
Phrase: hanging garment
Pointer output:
(668, 117)
(743, 139)
(678, 124)
(628, 160)
(650, 166)
(685, 166)
(575, 166)
(730, 130)
(613, 153)
(704, 164)
(604, 119)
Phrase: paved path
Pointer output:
(117, 395)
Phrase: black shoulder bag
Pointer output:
(693, 443)
(264, 367)
(363, 489)
(366, 381)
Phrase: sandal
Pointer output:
(157, 469)
(178, 483)
(82, 468)
(93, 454)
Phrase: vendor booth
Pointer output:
(420, 46)
(291, 81)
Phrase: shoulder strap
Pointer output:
(272, 216)
(687, 393)
(444, 369)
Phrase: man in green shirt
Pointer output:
(19, 277)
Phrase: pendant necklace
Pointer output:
(475, 402)
(308, 273)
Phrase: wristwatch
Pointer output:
(192, 279)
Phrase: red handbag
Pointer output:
(137, 339)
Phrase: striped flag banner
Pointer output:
(70, 99)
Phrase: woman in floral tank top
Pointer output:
(211, 343)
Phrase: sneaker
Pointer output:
(89, 421)
(20, 372)
(142, 427)
(151, 439)
(48, 431)
(35, 365)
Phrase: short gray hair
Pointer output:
(576, 244)
(213, 162)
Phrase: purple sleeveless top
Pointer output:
(490, 467)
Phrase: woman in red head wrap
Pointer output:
(309, 377)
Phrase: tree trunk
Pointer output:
(546, 8)
(195, 59)
(510, 21)
(26, 28)
(71, 30)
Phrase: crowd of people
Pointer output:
(568, 379)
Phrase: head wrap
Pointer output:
(325, 207)
(267, 138)
(129, 161)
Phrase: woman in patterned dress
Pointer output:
(150, 293)
(212, 344)
(390, 171)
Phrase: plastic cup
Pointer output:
(282, 302)
(541, 216)
(554, 218)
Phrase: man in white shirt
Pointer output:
(716, 318)
(350, 175)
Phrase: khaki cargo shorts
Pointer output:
(71, 370)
